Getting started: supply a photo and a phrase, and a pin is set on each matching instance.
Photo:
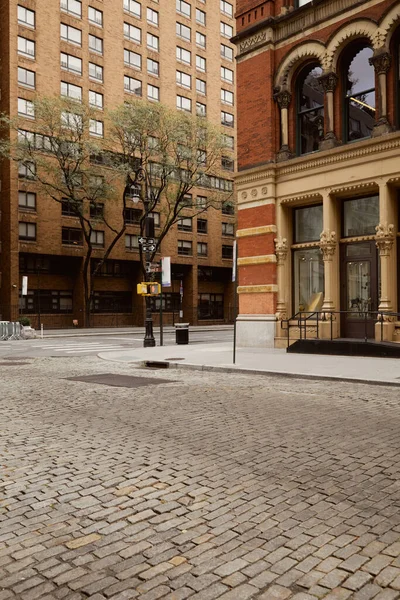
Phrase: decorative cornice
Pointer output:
(257, 289)
(305, 245)
(255, 40)
(256, 260)
(359, 238)
(384, 238)
(303, 197)
(357, 187)
(253, 231)
(328, 243)
(281, 249)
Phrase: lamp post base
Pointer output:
(149, 341)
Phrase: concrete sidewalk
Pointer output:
(94, 331)
(383, 371)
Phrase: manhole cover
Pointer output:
(174, 359)
(127, 381)
(13, 364)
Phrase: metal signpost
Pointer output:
(234, 280)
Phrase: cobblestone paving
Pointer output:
(211, 486)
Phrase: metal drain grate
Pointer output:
(127, 381)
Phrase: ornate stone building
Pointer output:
(318, 166)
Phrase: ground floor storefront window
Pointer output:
(211, 306)
(308, 279)
(112, 302)
(46, 301)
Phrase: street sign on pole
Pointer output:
(166, 271)
(24, 291)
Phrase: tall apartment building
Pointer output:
(177, 52)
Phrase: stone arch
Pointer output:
(356, 29)
(301, 53)
(387, 26)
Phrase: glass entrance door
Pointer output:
(359, 298)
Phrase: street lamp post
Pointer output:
(133, 190)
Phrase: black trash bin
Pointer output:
(182, 333)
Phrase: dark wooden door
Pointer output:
(359, 289)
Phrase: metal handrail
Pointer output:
(303, 317)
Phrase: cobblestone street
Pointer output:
(207, 486)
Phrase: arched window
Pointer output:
(359, 93)
(310, 109)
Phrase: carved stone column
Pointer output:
(328, 245)
(381, 63)
(329, 82)
(283, 99)
(281, 251)
(385, 240)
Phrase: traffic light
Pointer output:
(150, 288)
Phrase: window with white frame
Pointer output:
(156, 218)
(153, 42)
(26, 47)
(132, 33)
(153, 92)
(132, 85)
(183, 8)
(133, 7)
(97, 238)
(226, 8)
(70, 63)
(183, 55)
(27, 231)
(152, 17)
(228, 229)
(201, 202)
(200, 39)
(227, 119)
(27, 200)
(200, 63)
(131, 241)
(201, 249)
(185, 224)
(227, 74)
(27, 170)
(183, 31)
(71, 34)
(95, 72)
(26, 17)
(26, 78)
(71, 120)
(229, 141)
(183, 103)
(95, 44)
(185, 248)
(201, 86)
(183, 79)
(96, 100)
(71, 91)
(95, 16)
(200, 16)
(73, 7)
(153, 67)
(132, 59)
(201, 109)
(226, 30)
(26, 108)
(227, 97)
(96, 128)
(226, 52)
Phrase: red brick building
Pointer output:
(318, 166)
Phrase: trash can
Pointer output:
(182, 333)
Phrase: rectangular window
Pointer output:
(183, 79)
(228, 229)
(71, 34)
(26, 17)
(227, 119)
(95, 72)
(210, 306)
(73, 7)
(97, 212)
(71, 91)
(307, 224)
(360, 216)
(95, 44)
(200, 39)
(185, 224)
(201, 157)
(153, 92)
(227, 252)
(133, 7)
(70, 63)
(183, 55)
(152, 17)
(201, 109)
(112, 302)
(308, 279)
(27, 200)
(185, 248)
(227, 163)
(132, 216)
(27, 231)
(201, 86)
(201, 249)
(183, 31)
(229, 141)
(227, 74)
(153, 67)
(183, 8)
(170, 302)
(26, 47)
(132, 33)
(200, 16)
(46, 301)
(226, 30)
(227, 97)
(226, 8)
(201, 202)
(183, 103)
(26, 108)
(156, 218)
(200, 63)
(96, 100)
(70, 209)
(26, 78)
(27, 170)
(153, 42)
(132, 85)
(95, 16)
(132, 59)
(202, 225)
(71, 236)
(96, 128)
(97, 238)
(228, 208)
(226, 52)
(131, 242)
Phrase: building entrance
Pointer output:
(359, 289)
